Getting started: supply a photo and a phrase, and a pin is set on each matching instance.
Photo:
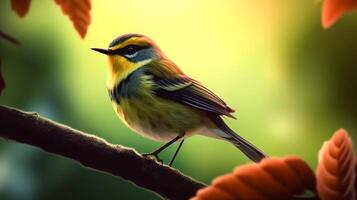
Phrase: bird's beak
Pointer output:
(104, 51)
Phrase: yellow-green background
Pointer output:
(291, 82)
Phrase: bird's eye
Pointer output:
(131, 51)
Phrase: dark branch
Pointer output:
(95, 153)
(2, 81)
(9, 38)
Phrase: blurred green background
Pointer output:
(291, 82)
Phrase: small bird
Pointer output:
(156, 99)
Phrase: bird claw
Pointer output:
(153, 156)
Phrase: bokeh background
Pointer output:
(291, 82)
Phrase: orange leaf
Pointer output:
(336, 172)
(21, 7)
(2, 81)
(78, 12)
(334, 9)
(272, 178)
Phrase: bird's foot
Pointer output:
(154, 156)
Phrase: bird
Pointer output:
(156, 99)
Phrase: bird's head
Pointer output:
(131, 51)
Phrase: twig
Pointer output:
(2, 81)
(94, 152)
(9, 38)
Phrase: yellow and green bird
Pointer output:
(153, 97)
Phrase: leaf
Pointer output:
(78, 12)
(21, 7)
(332, 10)
(2, 81)
(336, 171)
(272, 178)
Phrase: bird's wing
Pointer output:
(192, 93)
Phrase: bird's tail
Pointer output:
(243, 145)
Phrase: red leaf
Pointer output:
(332, 10)
(21, 7)
(273, 178)
(336, 171)
(78, 12)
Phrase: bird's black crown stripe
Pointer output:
(123, 38)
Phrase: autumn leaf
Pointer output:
(336, 172)
(21, 7)
(78, 12)
(272, 178)
(332, 10)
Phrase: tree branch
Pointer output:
(2, 81)
(94, 152)
(9, 38)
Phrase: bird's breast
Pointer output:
(157, 118)
(134, 85)
(140, 109)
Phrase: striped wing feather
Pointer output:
(192, 93)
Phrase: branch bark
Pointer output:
(95, 153)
